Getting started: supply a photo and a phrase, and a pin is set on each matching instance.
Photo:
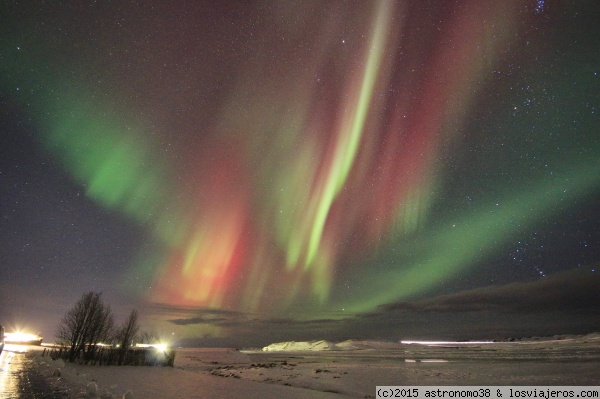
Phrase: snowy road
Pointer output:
(19, 380)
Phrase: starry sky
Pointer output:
(243, 172)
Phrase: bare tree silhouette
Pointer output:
(127, 333)
(85, 325)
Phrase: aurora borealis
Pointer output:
(222, 163)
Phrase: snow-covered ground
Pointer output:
(322, 369)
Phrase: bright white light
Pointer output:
(17, 337)
(161, 347)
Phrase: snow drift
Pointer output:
(292, 346)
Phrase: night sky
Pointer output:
(244, 172)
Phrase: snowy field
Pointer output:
(333, 370)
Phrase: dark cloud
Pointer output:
(173, 309)
(236, 319)
(240, 329)
(561, 303)
(197, 320)
(184, 316)
(573, 291)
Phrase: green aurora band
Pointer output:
(114, 157)
(455, 247)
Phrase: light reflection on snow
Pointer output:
(15, 348)
(7, 384)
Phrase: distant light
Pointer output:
(19, 337)
(161, 346)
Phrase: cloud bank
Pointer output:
(566, 302)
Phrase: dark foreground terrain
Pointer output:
(20, 378)
(351, 370)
